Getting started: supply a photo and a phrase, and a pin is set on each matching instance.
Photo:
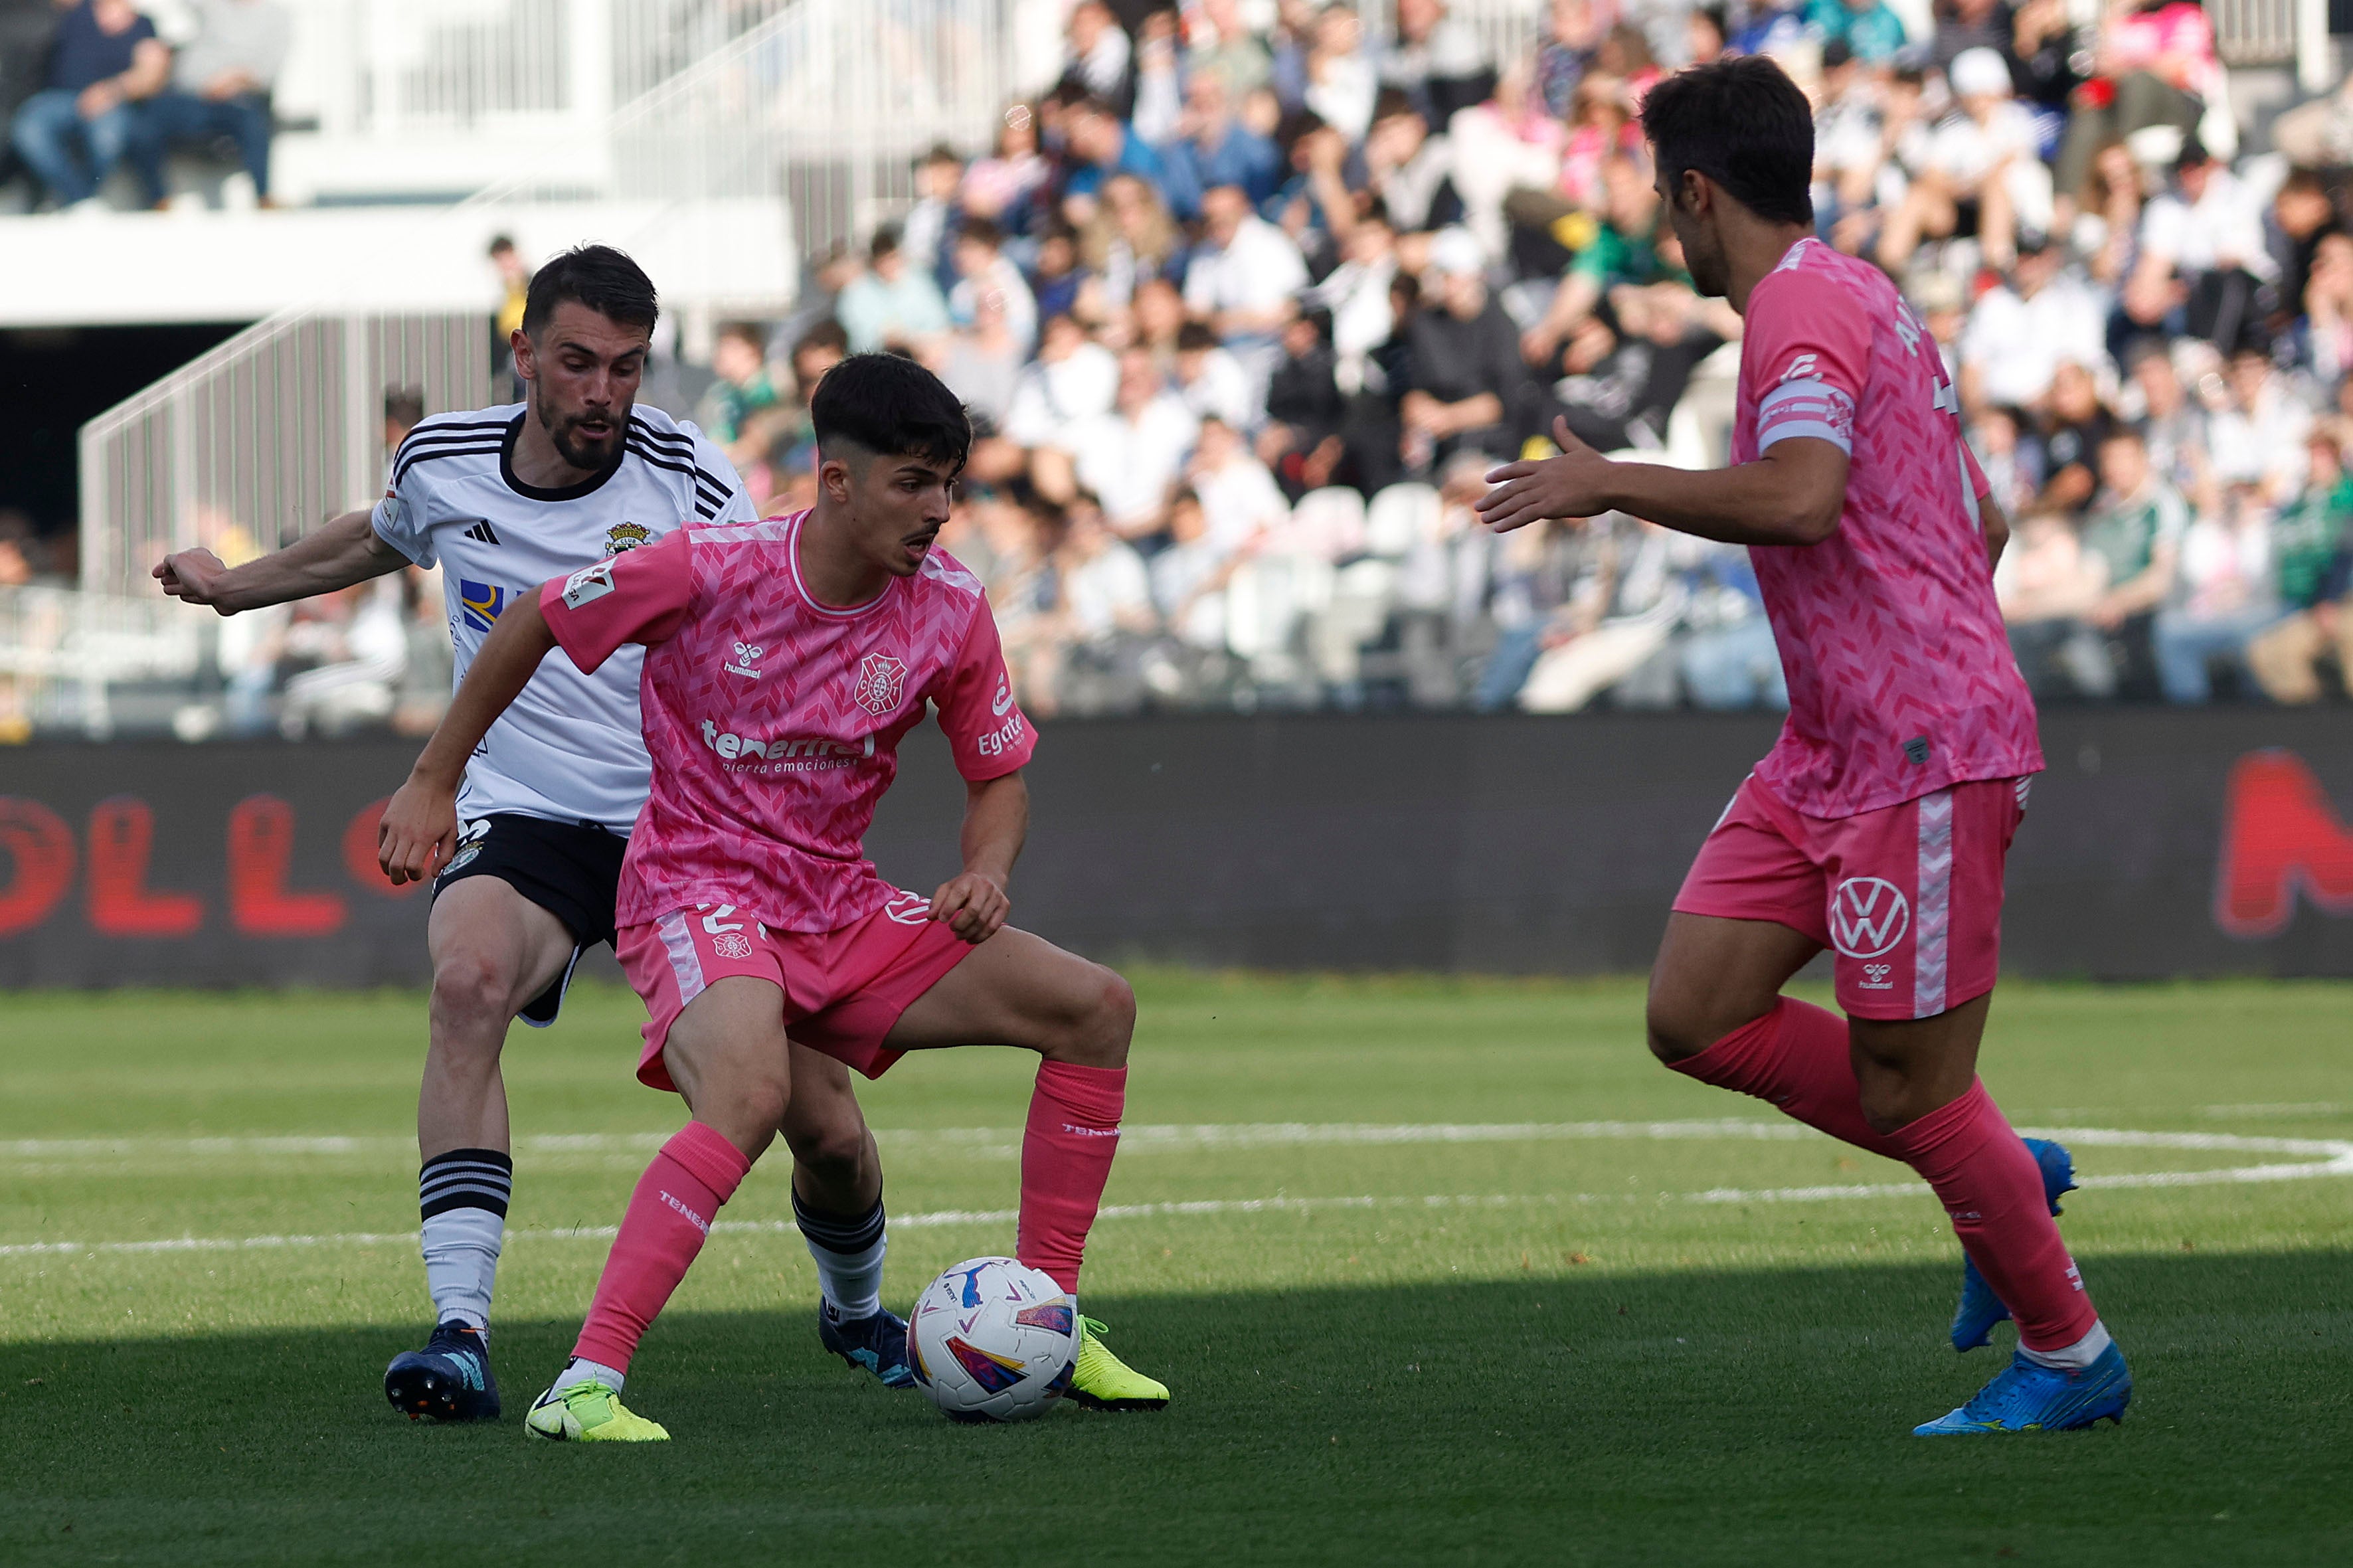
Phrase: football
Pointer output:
(993, 1341)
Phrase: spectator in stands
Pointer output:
(1103, 145)
(1572, 36)
(1983, 177)
(2023, 329)
(2257, 437)
(514, 285)
(1129, 240)
(105, 61)
(2154, 65)
(1108, 613)
(1003, 188)
(1727, 658)
(1435, 61)
(1224, 48)
(1341, 80)
(893, 303)
(220, 86)
(1242, 277)
(1241, 503)
(1501, 146)
(2324, 329)
(1188, 578)
(927, 234)
(2048, 585)
(1100, 58)
(2222, 596)
(1408, 169)
(1073, 379)
(1868, 28)
(1302, 442)
(739, 361)
(2135, 533)
(1217, 147)
(981, 263)
(2172, 425)
(1623, 248)
(2312, 554)
(2076, 425)
(1467, 389)
(1132, 457)
(1211, 383)
(1159, 83)
(981, 363)
(2202, 254)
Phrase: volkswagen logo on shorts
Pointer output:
(1868, 916)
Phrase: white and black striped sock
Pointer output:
(461, 1198)
(849, 1253)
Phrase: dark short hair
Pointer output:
(981, 231)
(1393, 103)
(1743, 124)
(892, 407)
(885, 242)
(1193, 336)
(404, 406)
(595, 276)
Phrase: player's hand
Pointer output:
(973, 905)
(419, 832)
(193, 576)
(1531, 491)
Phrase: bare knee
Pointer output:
(472, 997)
(833, 1152)
(1098, 1028)
(1673, 1031)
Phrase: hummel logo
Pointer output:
(483, 532)
(747, 660)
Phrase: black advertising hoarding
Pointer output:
(2216, 842)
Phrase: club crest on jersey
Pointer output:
(881, 683)
(746, 660)
(623, 536)
(1869, 915)
(480, 603)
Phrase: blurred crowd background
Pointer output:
(1247, 303)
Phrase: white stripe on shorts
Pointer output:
(684, 962)
(1932, 938)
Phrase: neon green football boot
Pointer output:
(588, 1412)
(1100, 1381)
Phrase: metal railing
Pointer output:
(270, 433)
(62, 651)
(392, 69)
(820, 102)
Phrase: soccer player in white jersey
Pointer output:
(503, 498)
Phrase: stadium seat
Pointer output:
(1400, 516)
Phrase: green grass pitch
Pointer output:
(1439, 1271)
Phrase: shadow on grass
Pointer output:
(1682, 1419)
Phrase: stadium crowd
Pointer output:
(1244, 306)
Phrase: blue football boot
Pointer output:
(448, 1380)
(2031, 1398)
(1980, 1308)
(876, 1344)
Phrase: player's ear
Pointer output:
(525, 357)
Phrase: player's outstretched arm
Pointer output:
(419, 829)
(995, 822)
(348, 550)
(1791, 495)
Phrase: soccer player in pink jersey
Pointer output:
(784, 661)
(1878, 823)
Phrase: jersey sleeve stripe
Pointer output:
(705, 487)
(468, 431)
(401, 472)
(684, 455)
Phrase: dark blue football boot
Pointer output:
(1980, 1308)
(876, 1344)
(448, 1380)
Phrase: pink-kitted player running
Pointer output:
(784, 660)
(1878, 825)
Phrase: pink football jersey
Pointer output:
(1900, 678)
(774, 721)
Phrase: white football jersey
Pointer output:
(570, 748)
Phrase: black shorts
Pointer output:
(571, 869)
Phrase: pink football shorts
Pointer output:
(1908, 896)
(843, 989)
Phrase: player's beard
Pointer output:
(583, 452)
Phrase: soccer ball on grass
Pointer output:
(994, 1341)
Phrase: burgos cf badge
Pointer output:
(881, 682)
(623, 536)
(479, 603)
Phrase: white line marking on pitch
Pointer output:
(2337, 1161)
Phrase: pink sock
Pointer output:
(670, 1214)
(1066, 1154)
(1991, 1186)
(1795, 1058)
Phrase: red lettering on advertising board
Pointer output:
(359, 854)
(40, 849)
(2279, 832)
(121, 834)
(260, 857)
